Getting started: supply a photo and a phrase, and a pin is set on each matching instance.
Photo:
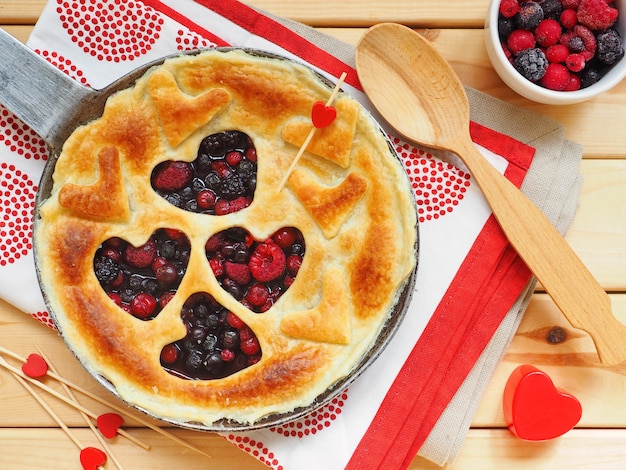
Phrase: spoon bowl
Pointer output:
(416, 90)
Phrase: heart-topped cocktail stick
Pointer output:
(319, 117)
(66, 400)
(46, 407)
(102, 401)
(87, 419)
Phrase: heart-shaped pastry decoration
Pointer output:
(109, 423)
(91, 458)
(322, 115)
(35, 366)
(536, 410)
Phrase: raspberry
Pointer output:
(580, 39)
(519, 40)
(573, 4)
(557, 53)
(267, 262)
(569, 18)
(508, 8)
(531, 63)
(172, 176)
(142, 256)
(529, 16)
(556, 77)
(548, 33)
(575, 62)
(597, 15)
(610, 47)
(238, 272)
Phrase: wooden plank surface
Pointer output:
(431, 13)
(30, 439)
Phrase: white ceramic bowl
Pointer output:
(535, 92)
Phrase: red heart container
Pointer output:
(536, 410)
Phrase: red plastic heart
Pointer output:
(109, 423)
(536, 410)
(91, 458)
(322, 115)
(35, 366)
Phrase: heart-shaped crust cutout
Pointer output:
(536, 410)
(35, 366)
(221, 180)
(142, 280)
(109, 423)
(218, 343)
(91, 458)
(322, 115)
(256, 273)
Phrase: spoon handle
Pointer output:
(565, 278)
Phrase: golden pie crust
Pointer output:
(349, 196)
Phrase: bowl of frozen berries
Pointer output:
(557, 51)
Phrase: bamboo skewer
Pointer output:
(309, 137)
(46, 407)
(67, 401)
(102, 401)
(89, 422)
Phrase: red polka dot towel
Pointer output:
(471, 291)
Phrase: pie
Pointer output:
(180, 273)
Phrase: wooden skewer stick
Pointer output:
(88, 420)
(46, 407)
(114, 407)
(67, 401)
(309, 137)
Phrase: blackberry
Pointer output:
(531, 63)
(232, 187)
(610, 47)
(106, 269)
(551, 8)
(529, 16)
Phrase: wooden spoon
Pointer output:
(421, 97)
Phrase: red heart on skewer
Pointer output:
(536, 410)
(322, 115)
(35, 366)
(91, 458)
(109, 423)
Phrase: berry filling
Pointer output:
(141, 280)
(560, 44)
(218, 343)
(256, 273)
(221, 180)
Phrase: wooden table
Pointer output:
(30, 439)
